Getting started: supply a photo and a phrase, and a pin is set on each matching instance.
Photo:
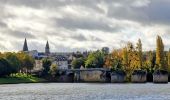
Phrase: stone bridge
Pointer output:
(87, 75)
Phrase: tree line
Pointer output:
(129, 58)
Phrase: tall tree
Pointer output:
(125, 58)
(160, 53)
(151, 60)
(139, 50)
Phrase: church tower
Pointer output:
(47, 48)
(25, 47)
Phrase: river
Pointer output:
(84, 91)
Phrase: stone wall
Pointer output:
(160, 77)
(139, 76)
(92, 76)
(117, 77)
(65, 78)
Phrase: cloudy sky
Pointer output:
(71, 25)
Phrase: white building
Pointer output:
(61, 62)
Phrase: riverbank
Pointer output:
(21, 78)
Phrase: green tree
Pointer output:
(160, 53)
(5, 67)
(14, 61)
(53, 70)
(46, 66)
(77, 63)
(151, 61)
(28, 62)
(95, 60)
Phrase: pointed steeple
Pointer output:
(47, 48)
(25, 47)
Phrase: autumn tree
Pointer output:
(125, 57)
(132, 57)
(168, 60)
(114, 60)
(139, 52)
(160, 53)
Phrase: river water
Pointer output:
(84, 91)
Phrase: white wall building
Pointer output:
(61, 62)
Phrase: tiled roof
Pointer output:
(60, 58)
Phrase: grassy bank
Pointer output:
(20, 78)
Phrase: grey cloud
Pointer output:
(156, 12)
(20, 34)
(79, 37)
(2, 24)
(148, 13)
(86, 24)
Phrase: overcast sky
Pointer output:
(71, 25)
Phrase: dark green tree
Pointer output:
(46, 66)
(5, 67)
(14, 61)
(77, 63)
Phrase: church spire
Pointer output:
(47, 48)
(25, 47)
